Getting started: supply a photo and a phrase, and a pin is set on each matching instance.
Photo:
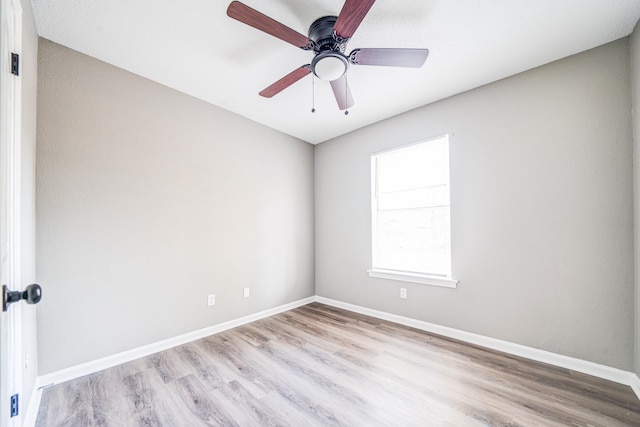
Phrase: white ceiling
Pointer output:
(194, 47)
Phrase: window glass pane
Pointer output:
(420, 165)
(417, 198)
(414, 240)
(410, 209)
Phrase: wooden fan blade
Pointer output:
(390, 57)
(255, 19)
(350, 17)
(286, 81)
(342, 92)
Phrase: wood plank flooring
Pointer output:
(322, 366)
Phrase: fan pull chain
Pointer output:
(313, 93)
(346, 93)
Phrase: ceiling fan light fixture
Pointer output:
(329, 66)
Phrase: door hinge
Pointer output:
(14, 405)
(15, 64)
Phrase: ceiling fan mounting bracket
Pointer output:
(342, 41)
(353, 56)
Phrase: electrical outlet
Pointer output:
(403, 292)
(211, 300)
(247, 292)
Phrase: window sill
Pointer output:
(424, 279)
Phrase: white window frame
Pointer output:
(403, 276)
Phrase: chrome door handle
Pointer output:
(32, 295)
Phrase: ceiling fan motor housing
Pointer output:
(321, 32)
(329, 62)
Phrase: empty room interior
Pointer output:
(345, 213)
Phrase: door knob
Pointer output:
(32, 295)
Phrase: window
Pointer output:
(410, 213)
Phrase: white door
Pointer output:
(10, 267)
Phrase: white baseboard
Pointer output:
(146, 350)
(586, 367)
(635, 385)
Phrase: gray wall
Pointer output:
(635, 83)
(147, 201)
(541, 202)
(29, 78)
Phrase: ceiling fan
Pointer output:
(328, 38)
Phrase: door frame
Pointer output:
(10, 204)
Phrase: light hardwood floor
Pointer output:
(322, 366)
